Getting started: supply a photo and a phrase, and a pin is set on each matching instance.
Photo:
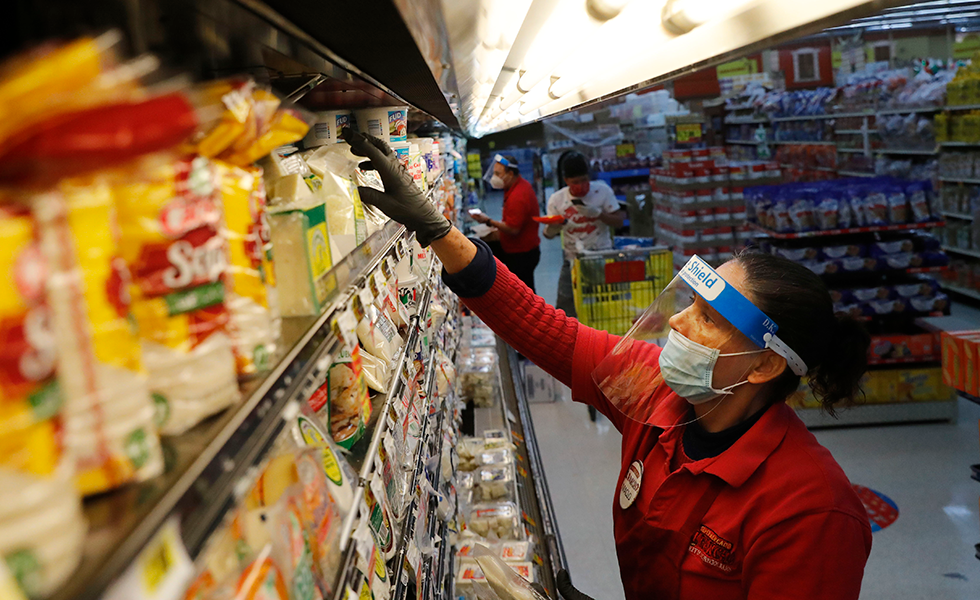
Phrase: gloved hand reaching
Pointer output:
(401, 200)
(567, 590)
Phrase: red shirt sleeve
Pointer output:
(563, 347)
(817, 556)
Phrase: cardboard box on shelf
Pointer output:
(954, 347)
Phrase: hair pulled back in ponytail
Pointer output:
(835, 349)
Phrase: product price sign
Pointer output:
(688, 133)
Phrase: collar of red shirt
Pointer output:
(739, 462)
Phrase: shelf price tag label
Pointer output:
(161, 571)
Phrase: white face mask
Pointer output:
(688, 368)
(496, 182)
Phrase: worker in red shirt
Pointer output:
(518, 230)
(722, 491)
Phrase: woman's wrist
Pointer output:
(455, 251)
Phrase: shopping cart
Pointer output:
(612, 288)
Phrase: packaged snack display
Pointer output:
(170, 221)
(840, 204)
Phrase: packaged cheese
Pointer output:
(254, 323)
(303, 258)
(110, 427)
(336, 166)
(171, 221)
(350, 405)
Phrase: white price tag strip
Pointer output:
(161, 571)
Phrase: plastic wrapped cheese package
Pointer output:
(303, 257)
(378, 334)
(350, 405)
(375, 372)
(502, 519)
(470, 450)
(395, 479)
(495, 483)
(510, 581)
(336, 166)
(342, 480)
(170, 219)
(254, 318)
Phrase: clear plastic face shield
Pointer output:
(699, 338)
(493, 180)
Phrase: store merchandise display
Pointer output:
(845, 204)
(699, 205)
(143, 292)
(869, 241)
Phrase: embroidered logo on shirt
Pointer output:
(713, 549)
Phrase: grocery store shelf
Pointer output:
(850, 131)
(855, 174)
(871, 414)
(959, 180)
(962, 107)
(851, 150)
(623, 174)
(905, 360)
(911, 109)
(964, 252)
(831, 232)
(907, 151)
(744, 142)
(745, 120)
(822, 169)
(206, 464)
(974, 294)
(956, 215)
(535, 496)
(959, 144)
(827, 116)
(804, 143)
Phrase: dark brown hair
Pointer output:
(835, 349)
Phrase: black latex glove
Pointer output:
(567, 590)
(401, 200)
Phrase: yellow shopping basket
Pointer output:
(613, 287)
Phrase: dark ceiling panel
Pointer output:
(371, 35)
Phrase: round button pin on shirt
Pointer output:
(631, 485)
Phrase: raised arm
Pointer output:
(562, 346)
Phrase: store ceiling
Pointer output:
(517, 61)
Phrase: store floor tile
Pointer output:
(927, 553)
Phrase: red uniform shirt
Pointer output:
(786, 523)
(520, 204)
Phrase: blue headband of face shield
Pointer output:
(500, 159)
(737, 310)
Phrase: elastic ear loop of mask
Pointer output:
(719, 399)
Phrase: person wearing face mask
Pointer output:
(722, 491)
(518, 230)
(590, 210)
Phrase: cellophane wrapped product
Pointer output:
(170, 220)
(41, 524)
(110, 426)
(254, 323)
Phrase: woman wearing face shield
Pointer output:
(722, 491)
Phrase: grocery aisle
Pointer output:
(926, 553)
